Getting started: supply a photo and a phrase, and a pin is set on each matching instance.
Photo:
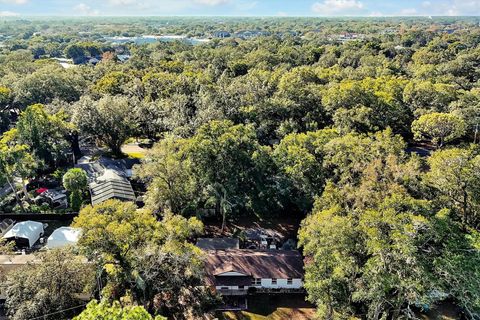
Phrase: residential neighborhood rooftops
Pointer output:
(218, 243)
(255, 263)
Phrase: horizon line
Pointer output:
(229, 16)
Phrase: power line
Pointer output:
(56, 312)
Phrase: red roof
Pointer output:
(41, 190)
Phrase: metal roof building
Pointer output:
(111, 186)
(63, 236)
(25, 233)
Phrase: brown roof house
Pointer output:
(236, 272)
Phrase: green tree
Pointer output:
(171, 280)
(113, 83)
(111, 231)
(109, 120)
(5, 100)
(48, 288)
(47, 84)
(384, 258)
(105, 311)
(16, 161)
(43, 133)
(75, 181)
(454, 175)
(170, 183)
(300, 157)
(119, 239)
(203, 172)
(439, 128)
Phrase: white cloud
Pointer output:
(246, 6)
(14, 1)
(85, 10)
(426, 4)
(449, 7)
(335, 7)
(8, 14)
(212, 3)
(465, 7)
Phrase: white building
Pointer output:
(25, 233)
(62, 237)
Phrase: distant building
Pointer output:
(123, 57)
(221, 34)
(346, 37)
(390, 30)
(93, 60)
(248, 34)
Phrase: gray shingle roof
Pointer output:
(218, 243)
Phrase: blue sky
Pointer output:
(241, 7)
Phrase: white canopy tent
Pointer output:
(63, 236)
(25, 233)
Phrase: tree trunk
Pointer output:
(25, 192)
(75, 145)
(465, 206)
(218, 210)
(19, 202)
(116, 150)
(224, 220)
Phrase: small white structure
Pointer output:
(64, 236)
(25, 233)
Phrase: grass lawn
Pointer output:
(279, 314)
(134, 151)
(273, 307)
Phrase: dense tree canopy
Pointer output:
(296, 121)
(143, 259)
(50, 287)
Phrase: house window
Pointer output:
(257, 281)
(274, 280)
(289, 281)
